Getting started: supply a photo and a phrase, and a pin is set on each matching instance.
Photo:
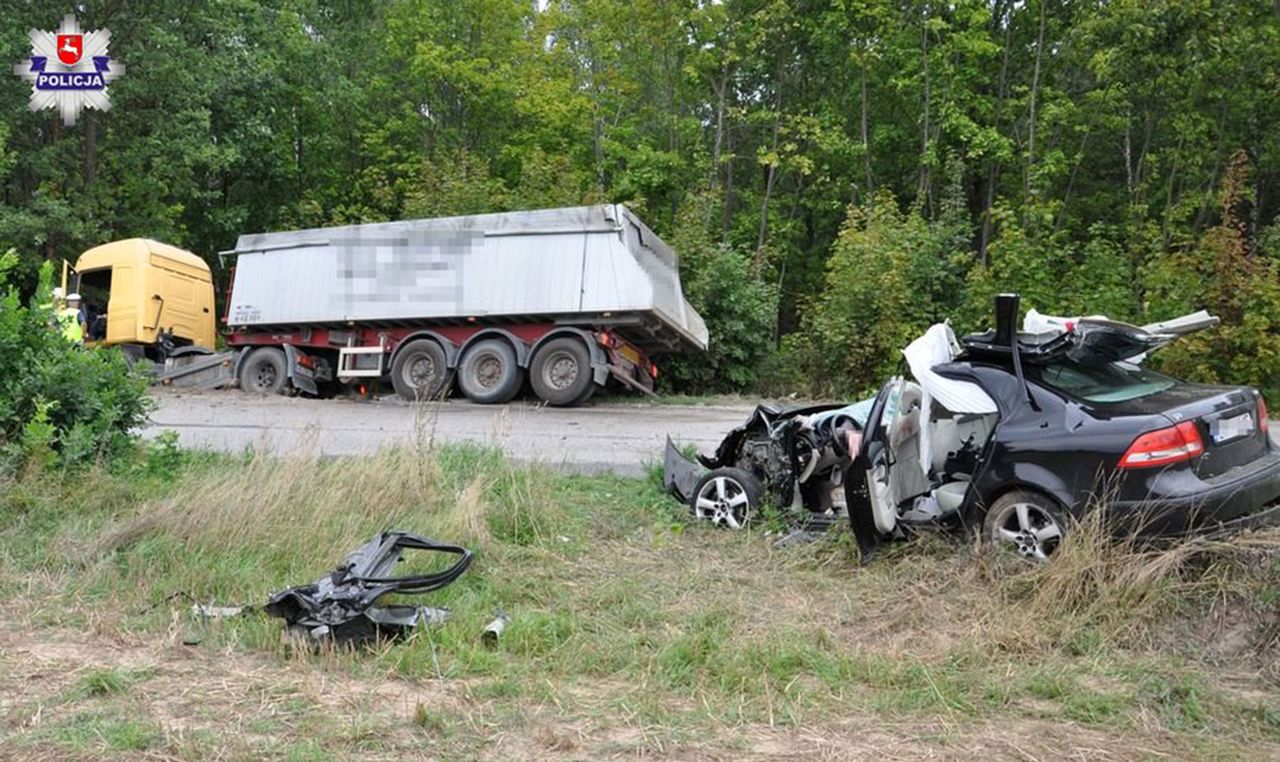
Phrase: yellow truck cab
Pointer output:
(135, 290)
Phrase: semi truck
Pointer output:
(568, 300)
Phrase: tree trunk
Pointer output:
(721, 92)
(1031, 125)
(90, 148)
(297, 153)
(922, 191)
(866, 130)
(770, 175)
(764, 212)
(726, 216)
(1128, 158)
(992, 167)
(768, 185)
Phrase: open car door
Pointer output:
(872, 512)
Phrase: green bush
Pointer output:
(891, 274)
(59, 401)
(1217, 272)
(738, 305)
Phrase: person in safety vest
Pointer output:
(53, 306)
(72, 320)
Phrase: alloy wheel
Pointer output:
(723, 501)
(1028, 529)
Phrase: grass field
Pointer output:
(633, 631)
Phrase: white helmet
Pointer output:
(73, 297)
(57, 292)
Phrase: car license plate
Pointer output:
(1227, 429)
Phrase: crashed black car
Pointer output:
(1020, 432)
(793, 458)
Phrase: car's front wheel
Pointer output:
(727, 497)
(1027, 523)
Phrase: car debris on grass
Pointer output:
(1018, 433)
(341, 606)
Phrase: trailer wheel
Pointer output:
(561, 372)
(488, 373)
(587, 394)
(264, 372)
(419, 371)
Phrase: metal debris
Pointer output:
(494, 629)
(339, 607)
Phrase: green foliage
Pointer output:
(59, 401)
(1016, 262)
(890, 275)
(864, 312)
(739, 308)
(1217, 272)
(38, 436)
(1067, 151)
(164, 457)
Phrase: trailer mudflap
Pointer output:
(301, 369)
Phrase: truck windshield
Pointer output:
(1112, 382)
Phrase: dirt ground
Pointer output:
(196, 703)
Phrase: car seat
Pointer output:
(950, 435)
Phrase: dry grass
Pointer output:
(1128, 587)
(634, 632)
(298, 505)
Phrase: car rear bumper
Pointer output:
(1178, 502)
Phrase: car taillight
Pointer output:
(1164, 446)
(1263, 425)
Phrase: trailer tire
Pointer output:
(264, 372)
(419, 371)
(587, 394)
(489, 374)
(561, 372)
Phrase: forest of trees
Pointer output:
(835, 174)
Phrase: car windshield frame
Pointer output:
(1108, 383)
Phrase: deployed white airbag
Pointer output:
(937, 346)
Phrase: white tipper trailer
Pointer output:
(570, 299)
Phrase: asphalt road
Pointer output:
(621, 438)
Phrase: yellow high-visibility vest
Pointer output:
(69, 319)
